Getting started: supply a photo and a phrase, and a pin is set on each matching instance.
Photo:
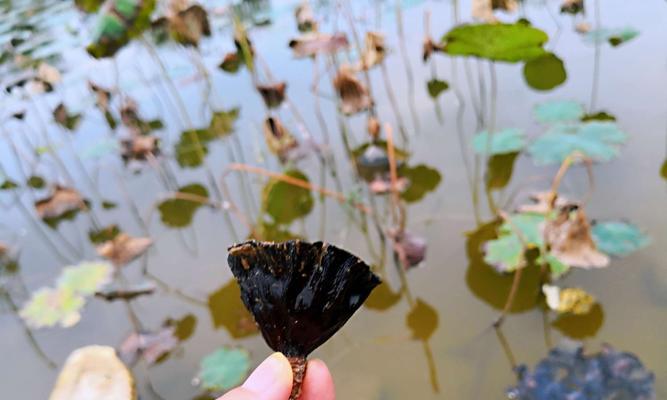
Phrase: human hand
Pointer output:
(272, 380)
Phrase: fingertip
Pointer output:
(272, 379)
(318, 384)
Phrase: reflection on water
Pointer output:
(350, 122)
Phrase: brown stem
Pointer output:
(299, 365)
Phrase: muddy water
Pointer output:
(376, 355)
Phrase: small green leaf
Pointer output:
(178, 212)
(224, 368)
(36, 182)
(498, 42)
(103, 234)
(192, 147)
(597, 140)
(285, 202)
(422, 320)
(8, 185)
(222, 122)
(509, 140)
(663, 170)
(435, 87)
(599, 116)
(109, 205)
(422, 180)
(618, 238)
(558, 111)
(545, 72)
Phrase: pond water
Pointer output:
(429, 332)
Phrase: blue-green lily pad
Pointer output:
(559, 111)
(224, 368)
(618, 238)
(502, 142)
(597, 140)
(615, 36)
(506, 252)
(497, 42)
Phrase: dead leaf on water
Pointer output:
(273, 94)
(123, 248)
(374, 51)
(148, 346)
(278, 139)
(569, 238)
(305, 19)
(353, 94)
(313, 43)
(61, 201)
(139, 148)
(483, 9)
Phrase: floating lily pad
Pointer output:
(618, 238)
(94, 372)
(422, 320)
(599, 116)
(556, 266)
(597, 140)
(227, 310)
(499, 170)
(85, 278)
(224, 368)
(222, 122)
(192, 148)
(435, 87)
(109, 205)
(580, 326)
(64, 118)
(50, 307)
(285, 202)
(502, 142)
(422, 180)
(663, 170)
(496, 42)
(559, 111)
(383, 298)
(569, 373)
(178, 213)
(545, 72)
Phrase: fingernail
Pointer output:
(268, 375)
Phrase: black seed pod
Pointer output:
(300, 293)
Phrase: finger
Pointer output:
(272, 380)
(318, 384)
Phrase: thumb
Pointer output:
(272, 380)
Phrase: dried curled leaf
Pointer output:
(149, 346)
(139, 148)
(568, 300)
(353, 94)
(279, 140)
(273, 94)
(483, 9)
(123, 248)
(429, 47)
(569, 238)
(61, 201)
(374, 51)
(94, 372)
(300, 293)
(313, 43)
(572, 6)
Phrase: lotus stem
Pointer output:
(299, 366)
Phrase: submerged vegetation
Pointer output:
(140, 138)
